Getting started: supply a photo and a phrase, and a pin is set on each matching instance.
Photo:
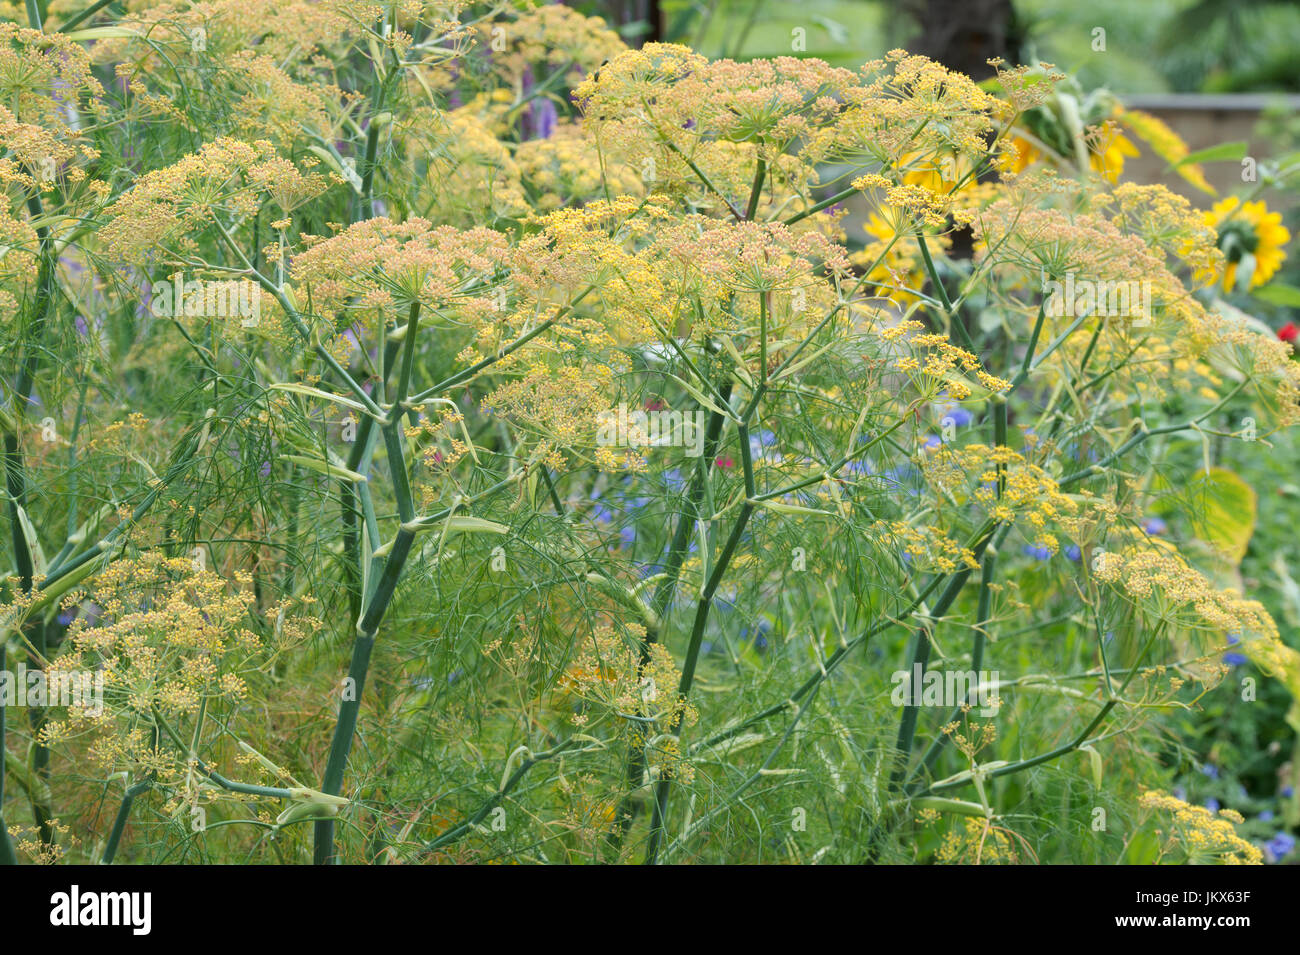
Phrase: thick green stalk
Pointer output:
(921, 650)
(756, 191)
(349, 708)
(663, 788)
(16, 487)
(119, 822)
(634, 771)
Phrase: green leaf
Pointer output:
(699, 397)
(1278, 293)
(323, 467)
(1094, 760)
(1224, 152)
(318, 393)
(783, 508)
(102, 33)
(33, 542)
(463, 524)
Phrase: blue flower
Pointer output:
(1266, 815)
(959, 417)
(761, 444)
(1235, 659)
(1074, 553)
(1212, 804)
(1210, 770)
(1281, 845)
(931, 442)
(1036, 552)
(762, 627)
(1154, 526)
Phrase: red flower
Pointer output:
(725, 463)
(1288, 332)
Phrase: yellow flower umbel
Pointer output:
(1207, 838)
(1249, 235)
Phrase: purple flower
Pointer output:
(544, 118)
(1074, 553)
(1036, 552)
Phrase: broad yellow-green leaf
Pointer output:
(1224, 509)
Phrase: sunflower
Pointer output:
(1023, 156)
(1249, 234)
(1108, 147)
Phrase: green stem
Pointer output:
(954, 320)
(119, 822)
(7, 856)
(824, 204)
(756, 190)
(84, 15)
(461, 829)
